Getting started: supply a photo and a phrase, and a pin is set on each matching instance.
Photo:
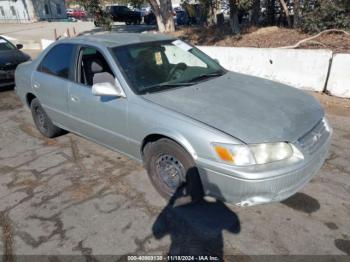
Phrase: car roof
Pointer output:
(118, 39)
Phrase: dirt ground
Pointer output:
(333, 105)
(262, 37)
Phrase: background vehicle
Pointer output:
(261, 141)
(69, 12)
(10, 58)
(182, 18)
(121, 13)
(77, 14)
(150, 18)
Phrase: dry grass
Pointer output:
(265, 37)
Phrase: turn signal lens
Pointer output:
(238, 155)
(223, 154)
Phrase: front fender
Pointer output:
(174, 135)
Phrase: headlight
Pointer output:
(245, 155)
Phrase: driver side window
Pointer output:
(92, 65)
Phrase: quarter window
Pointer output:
(58, 61)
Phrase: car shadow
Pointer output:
(195, 226)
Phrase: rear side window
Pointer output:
(58, 61)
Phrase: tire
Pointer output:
(182, 180)
(42, 121)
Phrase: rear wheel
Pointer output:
(42, 121)
(172, 170)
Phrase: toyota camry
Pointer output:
(165, 103)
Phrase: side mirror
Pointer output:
(105, 85)
(217, 61)
(107, 89)
(19, 46)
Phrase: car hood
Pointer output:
(252, 109)
(13, 57)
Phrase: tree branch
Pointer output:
(315, 36)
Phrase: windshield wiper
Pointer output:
(163, 86)
(204, 76)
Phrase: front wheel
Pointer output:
(172, 170)
(42, 121)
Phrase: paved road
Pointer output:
(34, 32)
(70, 196)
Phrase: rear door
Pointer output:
(51, 80)
(103, 119)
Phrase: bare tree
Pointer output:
(164, 14)
(234, 22)
(235, 7)
(296, 16)
(213, 8)
(286, 11)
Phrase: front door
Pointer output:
(102, 119)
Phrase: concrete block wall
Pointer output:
(339, 76)
(316, 70)
(304, 69)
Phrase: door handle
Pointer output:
(74, 99)
(36, 85)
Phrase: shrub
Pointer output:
(320, 15)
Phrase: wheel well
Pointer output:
(151, 138)
(154, 137)
(29, 98)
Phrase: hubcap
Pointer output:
(171, 171)
(41, 118)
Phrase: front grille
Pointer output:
(315, 138)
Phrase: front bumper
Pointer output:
(7, 78)
(232, 187)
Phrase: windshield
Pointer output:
(6, 45)
(156, 66)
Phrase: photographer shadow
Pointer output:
(195, 225)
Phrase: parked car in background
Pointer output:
(182, 18)
(150, 18)
(10, 58)
(163, 102)
(120, 13)
(69, 12)
(77, 14)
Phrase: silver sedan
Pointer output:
(197, 128)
